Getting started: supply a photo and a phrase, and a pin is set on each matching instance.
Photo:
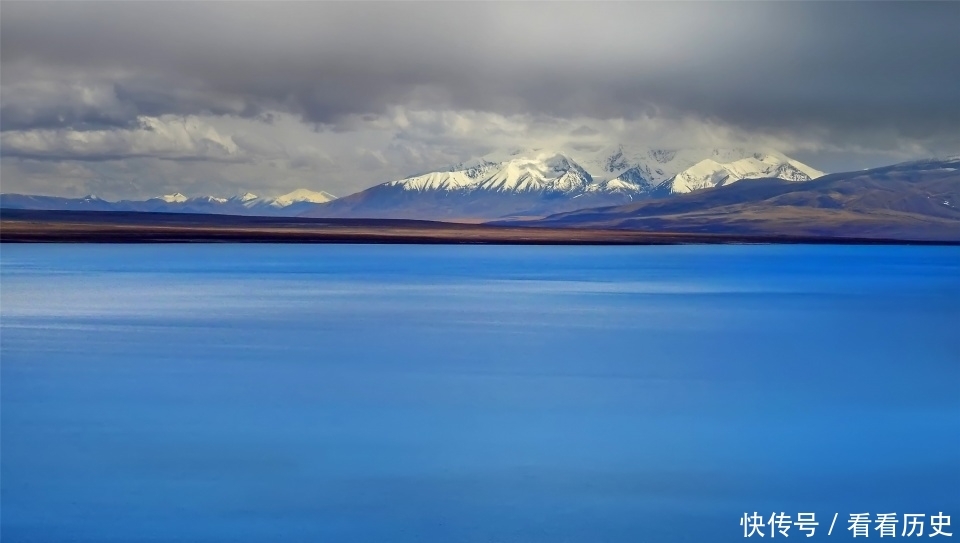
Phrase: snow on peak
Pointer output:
(247, 200)
(447, 180)
(704, 174)
(175, 198)
(475, 165)
(609, 170)
(711, 173)
(619, 169)
(302, 195)
(521, 171)
(545, 171)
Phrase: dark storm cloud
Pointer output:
(850, 70)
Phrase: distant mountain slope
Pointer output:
(301, 195)
(918, 200)
(27, 201)
(539, 182)
(289, 204)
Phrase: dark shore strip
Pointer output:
(30, 226)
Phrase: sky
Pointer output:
(137, 99)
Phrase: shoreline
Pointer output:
(31, 226)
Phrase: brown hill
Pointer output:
(916, 200)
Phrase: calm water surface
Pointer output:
(470, 393)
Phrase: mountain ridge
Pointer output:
(501, 184)
(915, 200)
(540, 182)
(291, 203)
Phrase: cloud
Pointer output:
(746, 63)
(168, 137)
(419, 82)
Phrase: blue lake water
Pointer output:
(326, 393)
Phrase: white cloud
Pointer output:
(168, 137)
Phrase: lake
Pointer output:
(346, 393)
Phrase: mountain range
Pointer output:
(537, 182)
(510, 184)
(724, 191)
(290, 204)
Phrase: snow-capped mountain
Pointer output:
(175, 198)
(541, 172)
(251, 201)
(537, 182)
(532, 182)
(455, 177)
(213, 199)
(612, 171)
(709, 173)
(662, 171)
(246, 200)
(301, 195)
(651, 167)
